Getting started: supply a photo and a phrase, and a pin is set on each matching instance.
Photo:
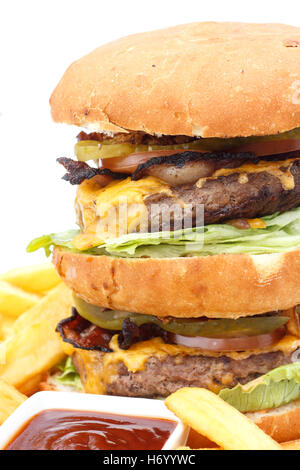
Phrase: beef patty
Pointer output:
(164, 376)
(225, 191)
(230, 196)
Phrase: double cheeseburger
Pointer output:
(195, 130)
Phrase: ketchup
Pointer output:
(86, 430)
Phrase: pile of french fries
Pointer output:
(32, 301)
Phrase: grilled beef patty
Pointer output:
(164, 376)
(227, 188)
(233, 196)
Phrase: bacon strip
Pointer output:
(136, 138)
(132, 333)
(174, 168)
(77, 172)
(83, 334)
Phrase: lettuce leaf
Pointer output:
(63, 239)
(276, 388)
(68, 376)
(282, 233)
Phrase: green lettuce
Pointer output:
(68, 376)
(282, 233)
(276, 388)
(63, 239)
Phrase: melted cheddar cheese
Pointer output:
(279, 169)
(256, 223)
(102, 370)
(113, 210)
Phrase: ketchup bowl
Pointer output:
(80, 421)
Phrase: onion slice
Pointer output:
(243, 343)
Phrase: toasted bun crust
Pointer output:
(202, 79)
(226, 286)
(282, 424)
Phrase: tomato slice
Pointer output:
(243, 343)
(130, 163)
(272, 147)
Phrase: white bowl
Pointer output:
(142, 407)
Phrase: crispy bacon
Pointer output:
(77, 172)
(176, 169)
(83, 334)
(131, 333)
(135, 138)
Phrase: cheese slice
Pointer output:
(113, 210)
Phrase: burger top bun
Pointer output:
(200, 79)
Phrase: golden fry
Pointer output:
(10, 399)
(33, 346)
(211, 416)
(6, 324)
(32, 385)
(14, 301)
(37, 279)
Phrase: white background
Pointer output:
(38, 40)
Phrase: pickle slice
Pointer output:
(92, 150)
(216, 328)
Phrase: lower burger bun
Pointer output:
(223, 286)
(282, 423)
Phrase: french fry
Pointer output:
(291, 445)
(33, 346)
(10, 399)
(37, 279)
(197, 441)
(212, 417)
(32, 385)
(14, 301)
(6, 324)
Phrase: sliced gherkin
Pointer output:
(92, 150)
(216, 328)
